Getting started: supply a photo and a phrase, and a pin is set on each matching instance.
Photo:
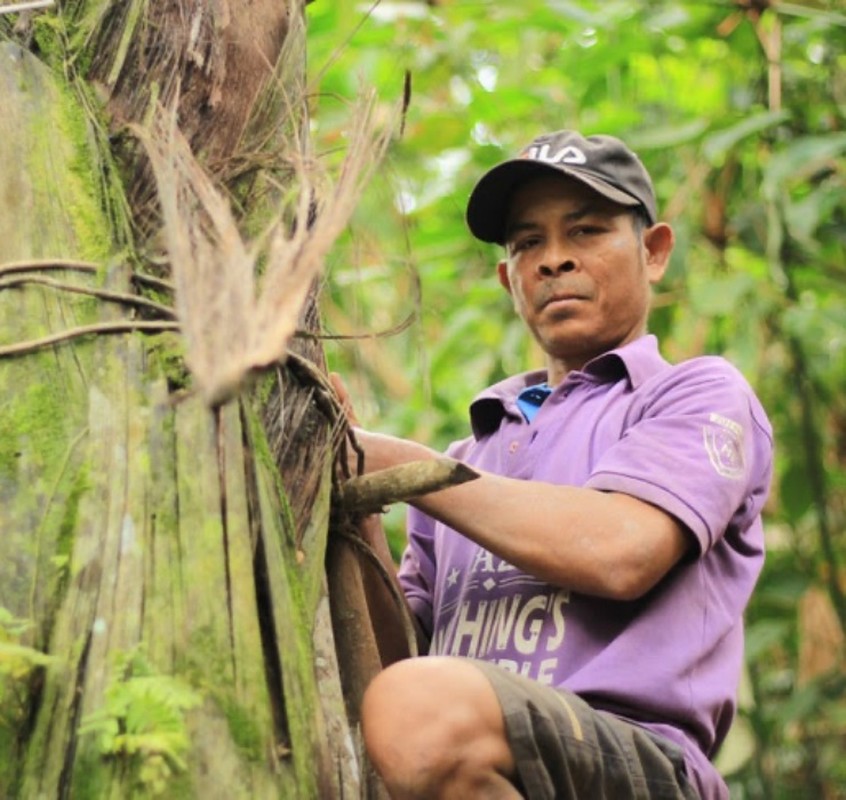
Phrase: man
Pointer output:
(584, 596)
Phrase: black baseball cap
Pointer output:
(603, 163)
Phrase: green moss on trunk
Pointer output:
(131, 523)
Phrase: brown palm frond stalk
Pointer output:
(238, 302)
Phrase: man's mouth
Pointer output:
(562, 298)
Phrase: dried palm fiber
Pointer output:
(238, 301)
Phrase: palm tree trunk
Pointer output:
(164, 624)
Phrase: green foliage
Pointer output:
(19, 664)
(142, 723)
(740, 117)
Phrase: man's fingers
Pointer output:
(344, 396)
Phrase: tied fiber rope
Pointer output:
(18, 274)
(15, 275)
(233, 319)
(31, 5)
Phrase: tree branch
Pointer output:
(369, 494)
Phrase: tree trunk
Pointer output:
(164, 621)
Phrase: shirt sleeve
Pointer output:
(698, 446)
(418, 568)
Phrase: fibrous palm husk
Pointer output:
(238, 301)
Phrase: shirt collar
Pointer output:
(637, 361)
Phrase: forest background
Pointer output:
(739, 111)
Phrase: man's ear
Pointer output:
(502, 272)
(658, 242)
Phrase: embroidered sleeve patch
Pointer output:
(724, 444)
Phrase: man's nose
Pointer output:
(556, 260)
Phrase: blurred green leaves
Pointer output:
(747, 149)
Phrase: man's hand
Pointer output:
(343, 397)
(389, 624)
(380, 451)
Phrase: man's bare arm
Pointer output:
(601, 543)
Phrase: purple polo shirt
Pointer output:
(691, 439)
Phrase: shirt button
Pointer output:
(512, 448)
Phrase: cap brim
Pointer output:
(488, 205)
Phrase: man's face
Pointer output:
(578, 270)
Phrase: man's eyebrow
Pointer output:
(571, 216)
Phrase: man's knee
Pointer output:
(427, 704)
(432, 720)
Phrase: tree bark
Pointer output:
(164, 624)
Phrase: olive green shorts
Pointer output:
(563, 748)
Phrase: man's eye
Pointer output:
(586, 230)
(524, 244)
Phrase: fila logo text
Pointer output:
(566, 155)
